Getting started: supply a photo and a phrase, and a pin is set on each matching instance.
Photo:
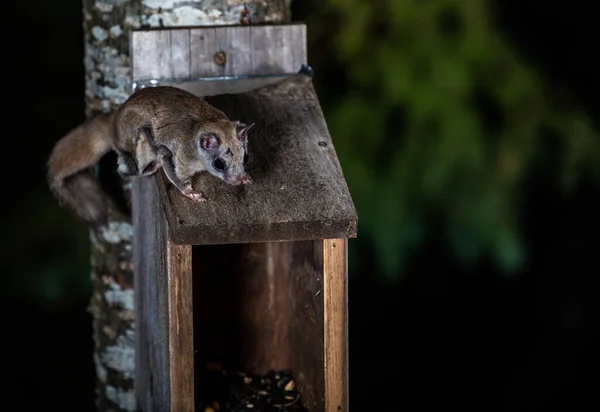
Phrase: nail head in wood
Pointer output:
(220, 58)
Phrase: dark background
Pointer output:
(430, 331)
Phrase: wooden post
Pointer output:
(163, 294)
(335, 295)
(269, 268)
(106, 27)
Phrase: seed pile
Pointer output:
(238, 391)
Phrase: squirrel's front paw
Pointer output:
(194, 195)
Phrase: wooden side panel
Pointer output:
(181, 326)
(188, 53)
(152, 380)
(335, 294)
(163, 294)
(305, 285)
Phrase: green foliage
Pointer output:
(441, 118)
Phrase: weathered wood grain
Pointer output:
(152, 381)
(150, 53)
(181, 326)
(181, 52)
(163, 316)
(204, 44)
(299, 191)
(335, 295)
(188, 53)
(306, 308)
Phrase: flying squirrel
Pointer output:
(156, 127)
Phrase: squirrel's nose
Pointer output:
(245, 179)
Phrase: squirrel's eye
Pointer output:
(246, 157)
(219, 164)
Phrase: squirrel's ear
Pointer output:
(209, 141)
(242, 130)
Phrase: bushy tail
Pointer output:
(69, 174)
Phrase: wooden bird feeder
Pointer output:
(255, 277)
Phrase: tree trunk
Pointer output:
(106, 27)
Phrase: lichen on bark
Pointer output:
(106, 26)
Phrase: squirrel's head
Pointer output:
(222, 146)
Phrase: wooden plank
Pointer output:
(203, 42)
(189, 53)
(269, 42)
(299, 191)
(235, 42)
(164, 336)
(151, 55)
(306, 322)
(335, 295)
(151, 315)
(296, 41)
(181, 327)
(180, 48)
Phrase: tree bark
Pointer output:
(106, 27)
